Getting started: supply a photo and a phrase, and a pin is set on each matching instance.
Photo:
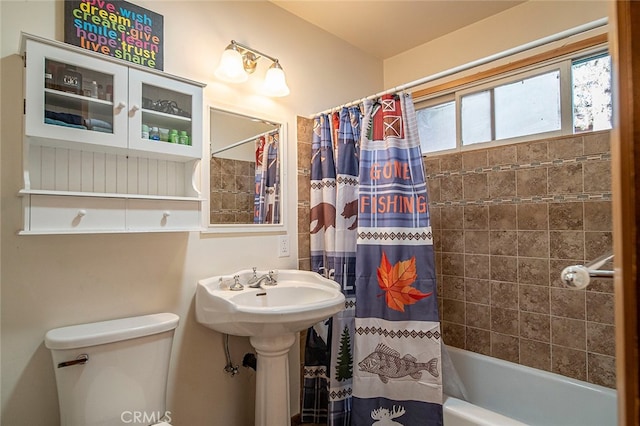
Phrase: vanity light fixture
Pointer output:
(239, 60)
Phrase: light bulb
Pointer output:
(230, 68)
(274, 81)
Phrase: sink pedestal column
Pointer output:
(272, 379)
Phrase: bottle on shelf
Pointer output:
(164, 134)
(94, 89)
(173, 136)
(70, 80)
(154, 134)
(50, 75)
(145, 131)
(184, 139)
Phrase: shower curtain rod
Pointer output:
(249, 139)
(500, 55)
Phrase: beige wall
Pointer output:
(52, 281)
(519, 25)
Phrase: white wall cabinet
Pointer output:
(109, 146)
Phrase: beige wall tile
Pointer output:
(477, 291)
(534, 298)
(531, 182)
(566, 216)
(532, 151)
(502, 155)
(505, 347)
(474, 159)
(535, 354)
(504, 268)
(568, 303)
(503, 217)
(567, 332)
(476, 217)
(505, 321)
(478, 340)
(533, 216)
(602, 370)
(478, 316)
(569, 362)
(535, 326)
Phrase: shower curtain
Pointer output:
(267, 180)
(397, 345)
(377, 362)
(328, 367)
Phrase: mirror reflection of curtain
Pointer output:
(267, 179)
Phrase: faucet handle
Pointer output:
(255, 275)
(273, 277)
(236, 284)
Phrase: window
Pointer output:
(591, 88)
(437, 126)
(562, 97)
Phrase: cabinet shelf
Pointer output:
(26, 192)
(68, 95)
(165, 116)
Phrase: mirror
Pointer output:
(246, 169)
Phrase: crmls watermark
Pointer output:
(142, 417)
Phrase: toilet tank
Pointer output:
(124, 378)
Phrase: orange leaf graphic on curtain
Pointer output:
(396, 281)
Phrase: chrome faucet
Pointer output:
(270, 278)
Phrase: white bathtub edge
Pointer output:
(457, 412)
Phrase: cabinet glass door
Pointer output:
(75, 98)
(166, 115)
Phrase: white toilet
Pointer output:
(113, 372)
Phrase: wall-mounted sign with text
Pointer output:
(115, 28)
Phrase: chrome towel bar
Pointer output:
(579, 276)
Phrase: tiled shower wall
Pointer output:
(506, 220)
(232, 187)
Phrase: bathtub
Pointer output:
(503, 393)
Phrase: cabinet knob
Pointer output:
(166, 214)
(133, 110)
(82, 212)
(119, 107)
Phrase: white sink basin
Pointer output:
(299, 300)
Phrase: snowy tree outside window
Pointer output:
(592, 94)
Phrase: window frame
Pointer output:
(452, 91)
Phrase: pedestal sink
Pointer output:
(270, 316)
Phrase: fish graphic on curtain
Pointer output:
(267, 180)
(397, 339)
(328, 370)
